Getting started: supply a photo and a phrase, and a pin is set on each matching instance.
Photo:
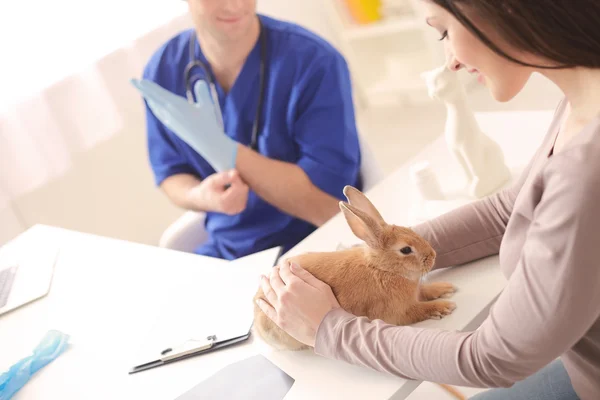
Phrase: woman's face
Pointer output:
(503, 78)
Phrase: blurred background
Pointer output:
(72, 129)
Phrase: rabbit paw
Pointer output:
(435, 309)
(436, 290)
(442, 308)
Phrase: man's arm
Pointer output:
(285, 186)
(325, 134)
(222, 192)
(177, 188)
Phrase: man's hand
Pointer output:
(223, 192)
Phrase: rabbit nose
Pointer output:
(429, 260)
(431, 256)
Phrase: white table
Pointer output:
(106, 293)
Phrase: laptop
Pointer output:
(25, 273)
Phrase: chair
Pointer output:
(187, 232)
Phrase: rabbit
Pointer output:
(379, 281)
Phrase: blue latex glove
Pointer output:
(51, 346)
(196, 124)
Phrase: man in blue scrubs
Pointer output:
(308, 146)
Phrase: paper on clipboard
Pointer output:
(220, 305)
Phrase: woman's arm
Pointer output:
(475, 231)
(548, 305)
(472, 231)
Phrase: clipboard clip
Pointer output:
(190, 346)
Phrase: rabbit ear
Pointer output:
(359, 200)
(362, 225)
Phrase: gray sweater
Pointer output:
(546, 228)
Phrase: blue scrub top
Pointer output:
(307, 119)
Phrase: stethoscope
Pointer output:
(189, 78)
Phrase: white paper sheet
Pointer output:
(254, 378)
(221, 305)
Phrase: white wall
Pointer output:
(10, 225)
(109, 189)
(308, 13)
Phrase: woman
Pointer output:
(545, 227)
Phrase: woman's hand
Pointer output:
(297, 301)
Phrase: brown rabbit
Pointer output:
(379, 281)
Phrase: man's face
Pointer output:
(226, 20)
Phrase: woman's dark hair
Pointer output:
(566, 32)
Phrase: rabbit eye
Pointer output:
(406, 250)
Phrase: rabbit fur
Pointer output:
(378, 281)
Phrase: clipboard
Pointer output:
(193, 321)
(191, 348)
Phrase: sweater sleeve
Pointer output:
(556, 279)
(475, 230)
(472, 231)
